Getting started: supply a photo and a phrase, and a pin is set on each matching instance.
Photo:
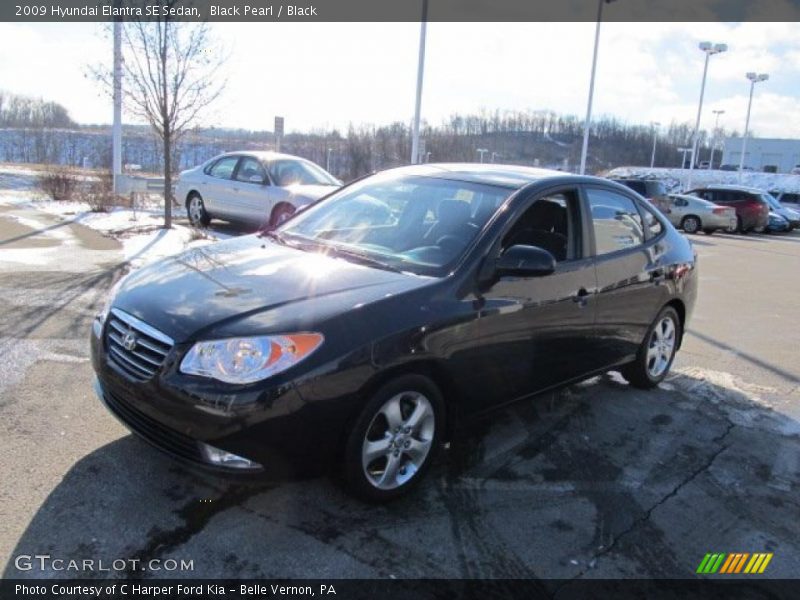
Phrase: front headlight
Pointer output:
(245, 360)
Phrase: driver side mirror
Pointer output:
(525, 261)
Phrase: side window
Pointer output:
(251, 171)
(617, 223)
(639, 187)
(652, 224)
(552, 222)
(224, 167)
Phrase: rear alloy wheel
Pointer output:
(196, 211)
(655, 355)
(394, 439)
(691, 224)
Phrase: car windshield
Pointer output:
(287, 172)
(408, 223)
(770, 199)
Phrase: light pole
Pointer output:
(754, 79)
(481, 151)
(655, 125)
(683, 160)
(116, 128)
(420, 71)
(714, 143)
(328, 160)
(587, 122)
(494, 155)
(709, 49)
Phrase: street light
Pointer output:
(585, 148)
(494, 155)
(683, 160)
(420, 71)
(655, 125)
(328, 160)
(481, 151)
(709, 49)
(716, 131)
(754, 79)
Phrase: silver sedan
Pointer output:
(252, 188)
(693, 214)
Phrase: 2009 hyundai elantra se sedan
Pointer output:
(357, 334)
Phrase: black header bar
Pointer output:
(401, 10)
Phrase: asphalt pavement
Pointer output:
(598, 480)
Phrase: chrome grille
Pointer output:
(134, 346)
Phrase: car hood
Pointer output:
(787, 213)
(189, 293)
(310, 192)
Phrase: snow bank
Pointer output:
(675, 179)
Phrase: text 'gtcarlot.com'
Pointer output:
(45, 562)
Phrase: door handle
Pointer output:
(581, 297)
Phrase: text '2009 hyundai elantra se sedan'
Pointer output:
(356, 335)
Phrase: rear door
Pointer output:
(630, 275)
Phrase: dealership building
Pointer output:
(763, 152)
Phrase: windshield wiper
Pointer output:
(362, 258)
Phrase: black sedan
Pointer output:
(357, 334)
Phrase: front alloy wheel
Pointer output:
(398, 440)
(394, 438)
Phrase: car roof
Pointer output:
(261, 155)
(508, 176)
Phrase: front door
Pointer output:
(254, 198)
(538, 331)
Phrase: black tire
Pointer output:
(709, 231)
(368, 427)
(196, 210)
(691, 224)
(639, 372)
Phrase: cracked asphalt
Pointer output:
(596, 481)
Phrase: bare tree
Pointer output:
(170, 77)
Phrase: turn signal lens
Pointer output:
(245, 360)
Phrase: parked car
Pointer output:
(791, 215)
(652, 190)
(728, 167)
(786, 197)
(693, 214)
(776, 224)
(354, 339)
(751, 204)
(795, 170)
(252, 188)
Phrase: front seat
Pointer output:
(541, 226)
(453, 220)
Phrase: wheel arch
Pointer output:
(189, 194)
(430, 368)
(280, 205)
(680, 308)
(692, 216)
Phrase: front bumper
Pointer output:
(269, 424)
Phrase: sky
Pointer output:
(322, 75)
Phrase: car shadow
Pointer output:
(597, 480)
